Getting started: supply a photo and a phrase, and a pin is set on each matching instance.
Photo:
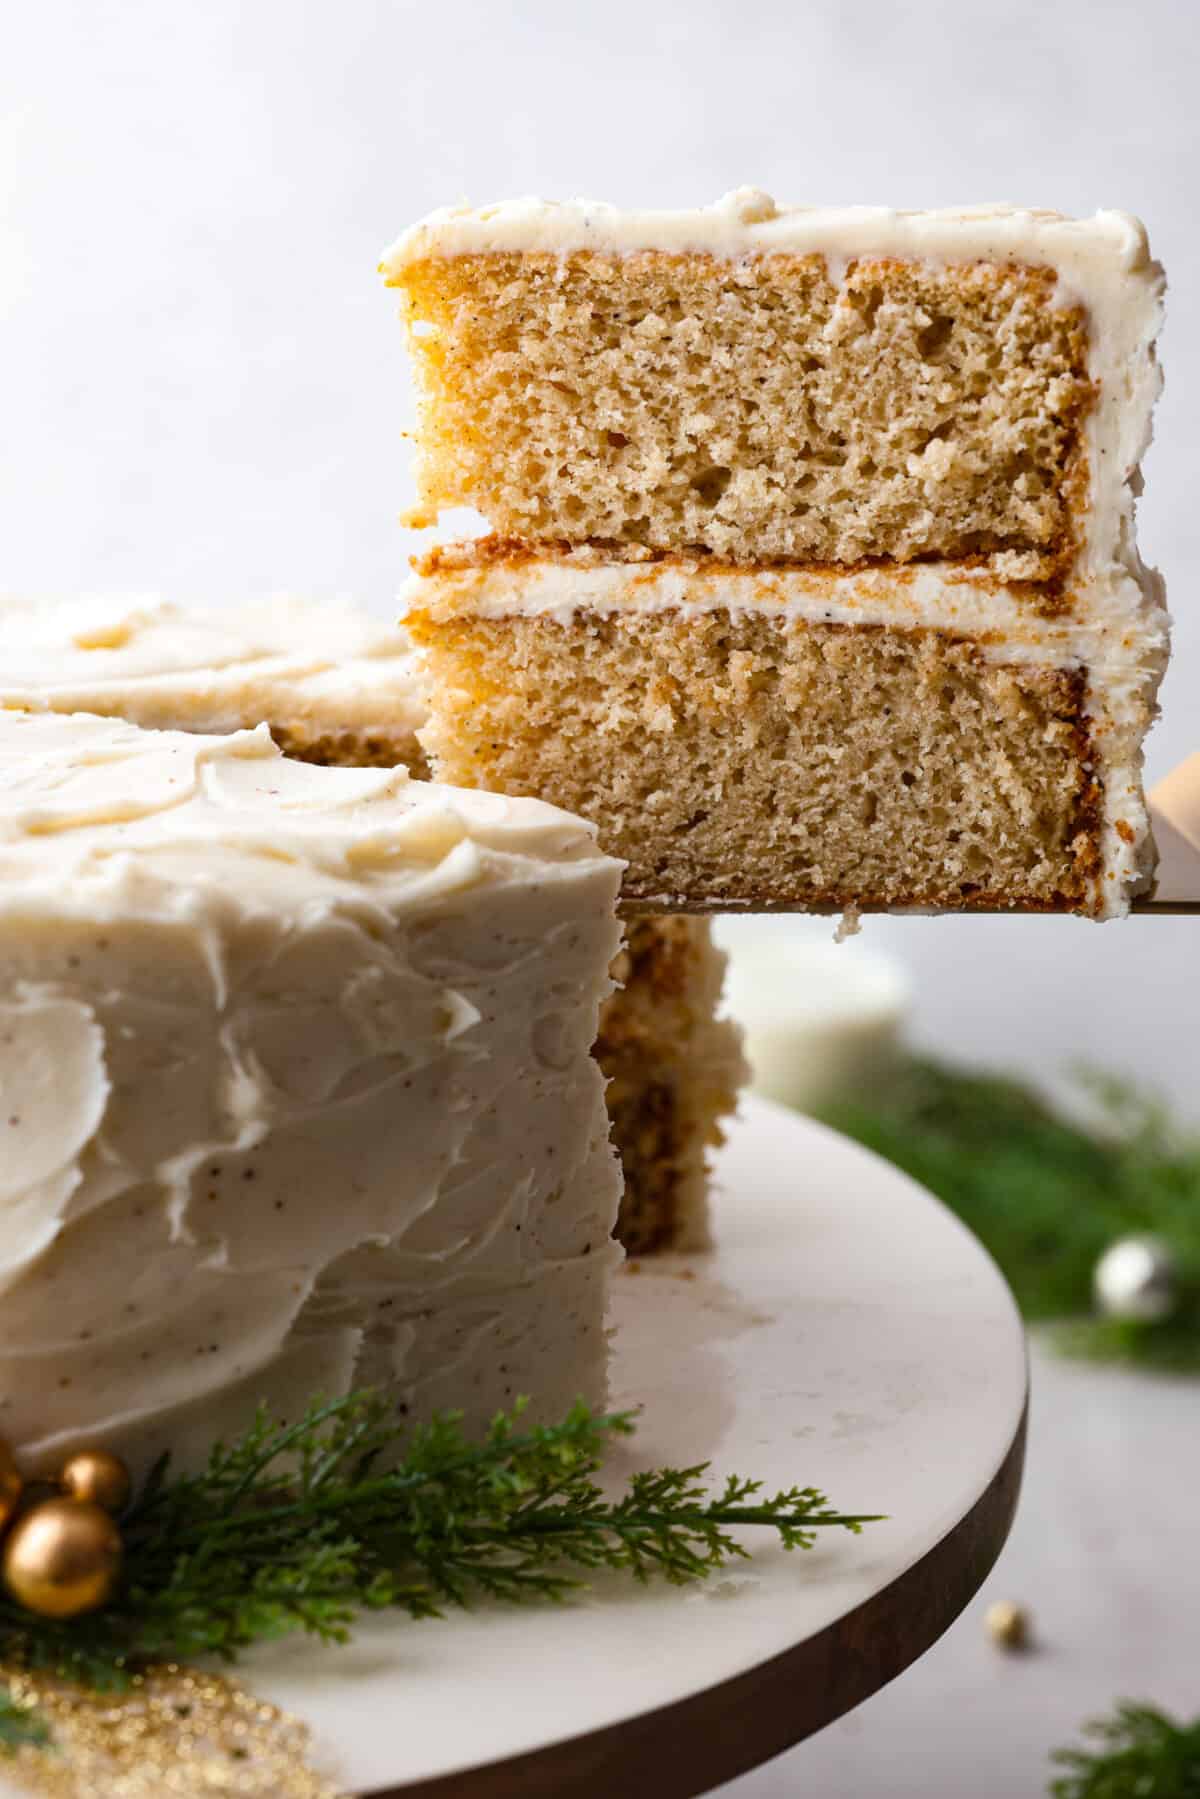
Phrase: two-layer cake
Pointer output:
(813, 576)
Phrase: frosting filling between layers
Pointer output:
(1098, 609)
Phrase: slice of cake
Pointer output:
(298, 1092)
(337, 687)
(813, 576)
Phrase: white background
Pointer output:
(202, 386)
(202, 381)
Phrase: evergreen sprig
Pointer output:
(1140, 1753)
(20, 1725)
(302, 1527)
(1047, 1194)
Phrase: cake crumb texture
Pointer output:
(673, 1069)
(754, 409)
(743, 760)
(352, 749)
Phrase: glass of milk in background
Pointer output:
(823, 1021)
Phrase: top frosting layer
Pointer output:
(293, 663)
(747, 222)
(92, 809)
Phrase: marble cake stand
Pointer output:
(847, 1333)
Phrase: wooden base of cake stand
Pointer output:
(847, 1333)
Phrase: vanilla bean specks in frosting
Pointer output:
(295, 1087)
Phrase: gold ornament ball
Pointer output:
(1008, 1624)
(96, 1475)
(11, 1484)
(63, 1558)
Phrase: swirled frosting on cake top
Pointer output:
(295, 1087)
(309, 668)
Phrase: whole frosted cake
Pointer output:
(298, 1091)
(813, 576)
(336, 686)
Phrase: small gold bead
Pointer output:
(96, 1475)
(11, 1484)
(62, 1558)
(1008, 1624)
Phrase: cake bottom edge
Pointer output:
(740, 760)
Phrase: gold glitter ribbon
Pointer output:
(175, 1734)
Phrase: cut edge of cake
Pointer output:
(1097, 273)
(674, 1067)
(1074, 629)
(662, 676)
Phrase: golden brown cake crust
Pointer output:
(673, 1070)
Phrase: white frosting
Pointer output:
(942, 596)
(748, 222)
(303, 666)
(295, 1089)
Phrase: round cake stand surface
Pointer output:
(848, 1333)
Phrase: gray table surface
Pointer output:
(1105, 1554)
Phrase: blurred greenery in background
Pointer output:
(1136, 1753)
(1048, 1194)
